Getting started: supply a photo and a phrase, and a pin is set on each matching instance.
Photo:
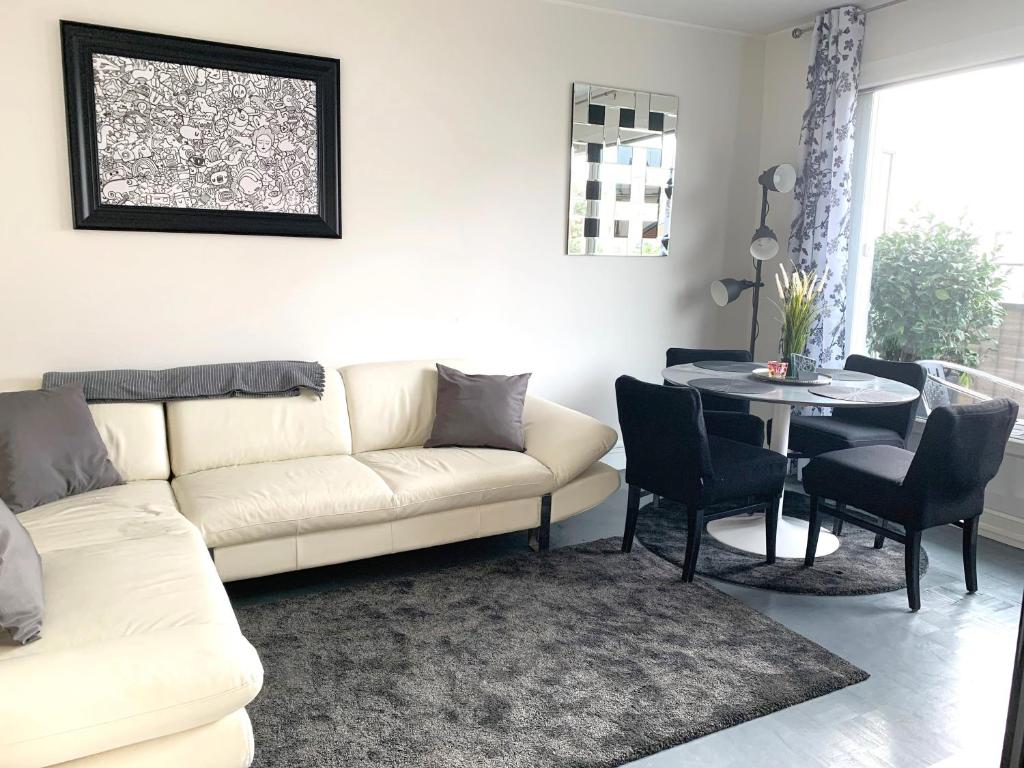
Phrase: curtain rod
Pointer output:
(798, 32)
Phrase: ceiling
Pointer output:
(750, 16)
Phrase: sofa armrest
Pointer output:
(741, 427)
(563, 440)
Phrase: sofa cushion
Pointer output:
(137, 620)
(235, 505)
(145, 508)
(391, 405)
(478, 410)
(226, 743)
(136, 438)
(134, 433)
(50, 448)
(21, 581)
(431, 479)
(207, 434)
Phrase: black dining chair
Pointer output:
(673, 452)
(942, 483)
(813, 435)
(712, 402)
(810, 436)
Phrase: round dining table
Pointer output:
(747, 533)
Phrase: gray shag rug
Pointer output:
(856, 568)
(577, 657)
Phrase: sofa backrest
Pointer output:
(207, 434)
(391, 405)
(134, 433)
(136, 438)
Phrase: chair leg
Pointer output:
(771, 527)
(632, 512)
(813, 528)
(971, 553)
(879, 538)
(694, 530)
(837, 522)
(912, 564)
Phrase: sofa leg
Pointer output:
(912, 564)
(971, 553)
(632, 512)
(879, 541)
(544, 532)
(771, 527)
(694, 530)
(657, 501)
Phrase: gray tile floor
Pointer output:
(939, 678)
(939, 681)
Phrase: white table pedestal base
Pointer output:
(747, 532)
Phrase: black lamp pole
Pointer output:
(763, 245)
(758, 282)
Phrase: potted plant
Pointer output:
(799, 293)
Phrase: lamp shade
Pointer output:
(779, 178)
(764, 244)
(727, 290)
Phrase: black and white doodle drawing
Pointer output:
(179, 136)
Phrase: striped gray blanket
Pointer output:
(270, 378)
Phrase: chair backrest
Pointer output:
(663, 432)
(934, 393)
(898, 418)
(961, 449)
(712, 402)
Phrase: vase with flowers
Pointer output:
(799, 293)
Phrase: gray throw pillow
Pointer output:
(50, 448)
(476, 411)
(21, 581)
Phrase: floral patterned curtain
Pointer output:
(819, 238)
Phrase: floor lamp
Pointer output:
(764, 245)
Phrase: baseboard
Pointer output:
(616, 457)
(1000, 526)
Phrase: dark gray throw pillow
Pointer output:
(50, 448)
(477, 411)
(21, 581)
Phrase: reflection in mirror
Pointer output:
(622, 165)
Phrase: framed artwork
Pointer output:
(621, 162)
(171, 134)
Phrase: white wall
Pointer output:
(454, 181)
(916, 38)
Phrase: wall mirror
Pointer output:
(621, 165)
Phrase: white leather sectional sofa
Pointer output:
(142, 662)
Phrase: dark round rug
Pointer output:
(856, 568)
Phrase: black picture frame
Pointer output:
(80, 41)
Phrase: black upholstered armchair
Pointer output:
(674, 452)
(942, 483)
(810, 436)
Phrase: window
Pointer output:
(937, 257)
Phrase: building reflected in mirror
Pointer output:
(621, 167)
